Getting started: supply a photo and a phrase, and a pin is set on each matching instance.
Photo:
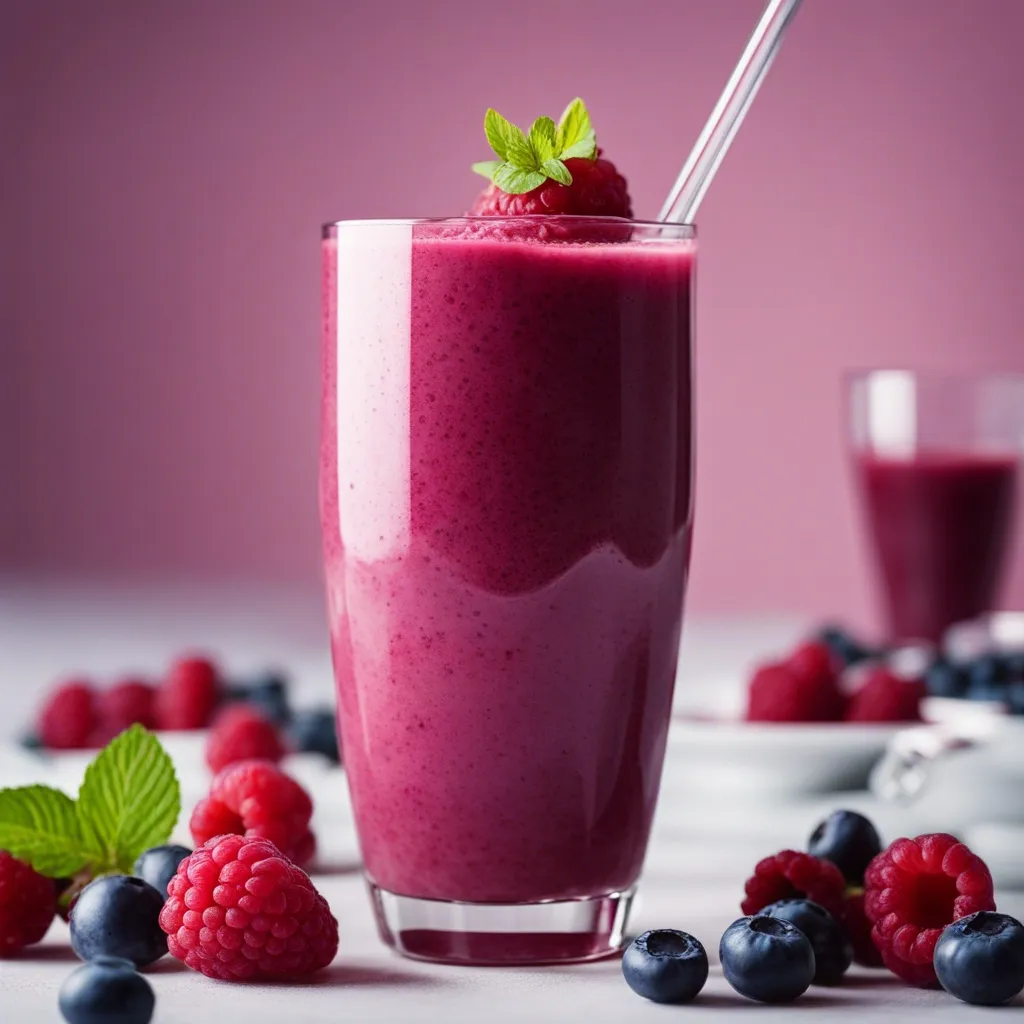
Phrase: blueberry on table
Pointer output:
(106, 990)
(665, 966)
(118, 915)
(1014, 663)
(315, 732)
(980, 958)
(767, 959)
(833, 952)
(846, 649)
(159, 864)
(1015, 698)
(946, 679)
(849, 840)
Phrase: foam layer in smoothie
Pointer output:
(507, 503)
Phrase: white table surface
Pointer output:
(700, 854)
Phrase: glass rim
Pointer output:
(686, 231)
(857, 376)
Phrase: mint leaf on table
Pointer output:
(39, 826)
(129, 800)
(527, 161)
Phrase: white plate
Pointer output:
(780, 759)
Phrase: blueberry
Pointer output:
(766, 959)
(159, 865)
(30, 741)
(833, 952)
(316, 732)
(665, 966)
(944, 679)
(1014, 662)
(980, 958)
(106, 990)
(847, 650)
(267, 693)
(118, 915)
(849, 840)
(986, 678)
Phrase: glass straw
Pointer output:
(695, 177)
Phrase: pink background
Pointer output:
(166, 166)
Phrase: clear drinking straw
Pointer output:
(726, 118)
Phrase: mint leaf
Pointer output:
(501, 134)
(515, 180)
(38, 825)
(130, 799)
(557, 171)
(574, 136)
(542, 140)
(486, 168)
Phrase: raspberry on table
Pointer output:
(68, 717)
(597, 190)
(813, 658)
(258, 800)
(792, 875)
(779, 694)
(125, 704)
(241, 733)
(865, 952)
(886, 697)
(239, 910)
(913, 890)
(188, 696)
(28, 903)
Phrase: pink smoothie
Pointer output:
(940, 523)
(507, 506)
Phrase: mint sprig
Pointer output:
(526, 161)
(129, 801)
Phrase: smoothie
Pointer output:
(940, 524)
(507, 506)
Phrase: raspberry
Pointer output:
(123, 705)
(257, 799)
(28, 902)
(865, 952)
(242, 734)
(68, 717)
(597, 190)
(188, 696)
(791, 875)
(779, 694)
(812, 659)
(237, 909)
(913, 890)
(886, 697)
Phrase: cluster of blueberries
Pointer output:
(115, 929)
(993, 676)
(775, 955)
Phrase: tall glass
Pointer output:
(506, 502)
(937, 458)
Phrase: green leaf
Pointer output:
(575, 136)
(542, 140)
(487, 168)
(516, 180)
(38, 825)
(557, 171)
(501, 134)
(130, 799)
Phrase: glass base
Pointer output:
(493, 934)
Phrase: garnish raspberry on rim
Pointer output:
(550, 170)
(913, 890)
